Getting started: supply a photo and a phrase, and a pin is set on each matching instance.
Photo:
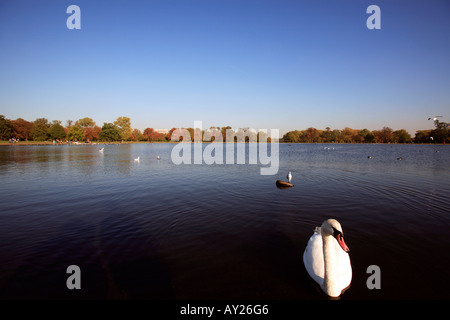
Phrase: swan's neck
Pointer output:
(329, 257)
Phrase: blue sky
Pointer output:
(286, 64)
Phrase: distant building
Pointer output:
(163, 131)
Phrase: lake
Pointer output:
(155, 230)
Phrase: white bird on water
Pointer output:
(101, 150)
(289, 176)
(158, 157)
(327, 260)
(137, 159)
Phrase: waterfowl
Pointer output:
(137, 159)
(327, 260)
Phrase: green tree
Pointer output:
(440, 134)
(57, 131)
(369, 138)
(123, 125)
(5, 128)
(401, 136)
(40, 131)
(423, 136)
(291, 136)
(366, 135)
(109, 132)
(75, 133)
(86, 122)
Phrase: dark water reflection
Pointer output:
(152, 229)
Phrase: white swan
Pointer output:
(137, 159)
(289, 177)
(101, 150)
(327, 260)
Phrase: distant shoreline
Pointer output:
(49, 143)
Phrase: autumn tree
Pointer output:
(386, 135)
(178, 134)
(148, 134)
(169, 134)
(326, 136)
(21, 128)
(224, 132)
(191, 133)
(136, 135)
(214, 134)
(347, 134)
(90, 130)
(311, 135)
(123, 125)
(92, 133)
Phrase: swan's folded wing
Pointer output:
(313, 257)
(344, 268)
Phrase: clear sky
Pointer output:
(286, 64)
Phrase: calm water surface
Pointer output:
(157, 230)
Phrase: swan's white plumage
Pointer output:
(339, 266)
(313, 257)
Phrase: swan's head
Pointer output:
(332, 227)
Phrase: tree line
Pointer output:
(386, 135)
(85, 129)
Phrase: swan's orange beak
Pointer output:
(340, 240)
